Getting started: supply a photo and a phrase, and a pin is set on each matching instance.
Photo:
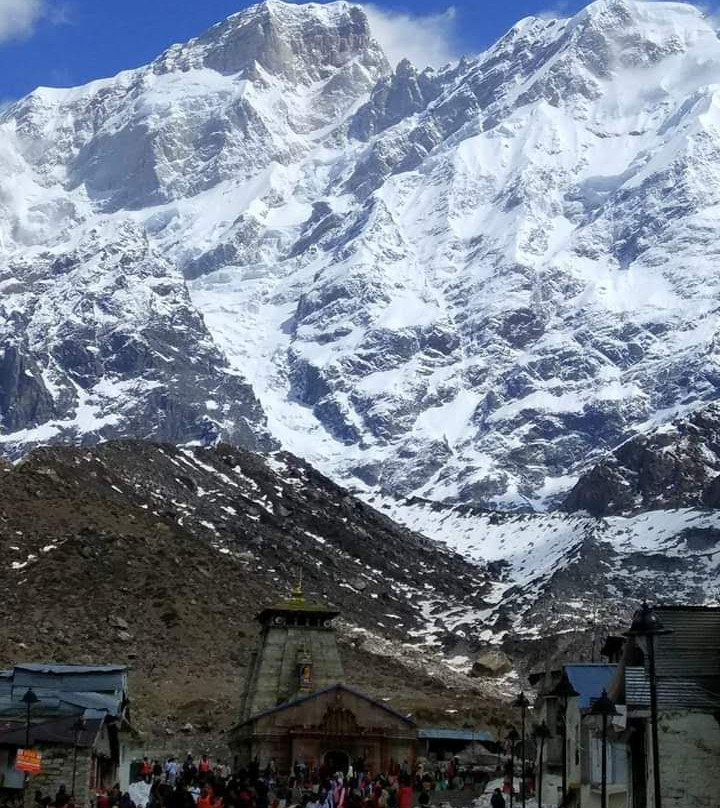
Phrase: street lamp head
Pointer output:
(513, 736)
(542, 731)
(564, 689)
(29, 697)
(521, 701)
(646, 623)
(603, 706)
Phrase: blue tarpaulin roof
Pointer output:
(454, 734)
(590, 680)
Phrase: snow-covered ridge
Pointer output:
(462, 284)
(557, 572)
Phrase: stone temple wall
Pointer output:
(365, 730)
(275, 678)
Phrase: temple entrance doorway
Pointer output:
(337, 761)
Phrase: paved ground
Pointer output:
(474, 798)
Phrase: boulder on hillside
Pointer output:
(491, 662)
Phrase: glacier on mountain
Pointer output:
(461, 284)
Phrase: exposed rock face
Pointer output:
(675, 466)
(461, 284)
(23, 397)
(105, 342)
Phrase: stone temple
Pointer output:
(296, 709)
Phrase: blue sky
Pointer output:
(68, 42)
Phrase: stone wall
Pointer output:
(57, 770)
(689, 752)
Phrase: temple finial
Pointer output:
(297, 590)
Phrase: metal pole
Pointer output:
(512, 771)
(603, 783)
(522, 755)
(27, 727)
(564, 752)
(26, 778)
(654, 723)
(74, 772)
(540, 773)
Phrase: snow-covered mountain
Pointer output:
(462, 284)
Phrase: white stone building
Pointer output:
(688, 681)
(584, 747)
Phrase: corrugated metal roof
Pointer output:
(590, 680)
(673, 692)
(94, 701)
(693, 648)
(52, 668)
(92, 691)
(76, 682)
(59, 731)
(455, 734)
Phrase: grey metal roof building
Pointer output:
(687, 662)
(673, 692)
(82, 708)
(92, 692)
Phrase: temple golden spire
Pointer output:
(297, 590)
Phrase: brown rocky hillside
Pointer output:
(160, 557)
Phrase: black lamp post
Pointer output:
(512, 737)
(522, 702)
(542, 733)
(78, 728)
(564, 691)
(646, 624)
(28, 700)
(605, 708)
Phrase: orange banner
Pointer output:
(28, 760)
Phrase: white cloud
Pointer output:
(19, 17)
(424, 40)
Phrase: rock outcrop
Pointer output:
(674, 466)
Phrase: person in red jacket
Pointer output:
(205, 800)
(203, 769)
(145, 770)
(405, 795)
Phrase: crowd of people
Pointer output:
(206, 784)
(62, 799)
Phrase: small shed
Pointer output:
(443, 743)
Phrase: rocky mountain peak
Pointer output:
(612, 34)
(457, 284)
(301, 43)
